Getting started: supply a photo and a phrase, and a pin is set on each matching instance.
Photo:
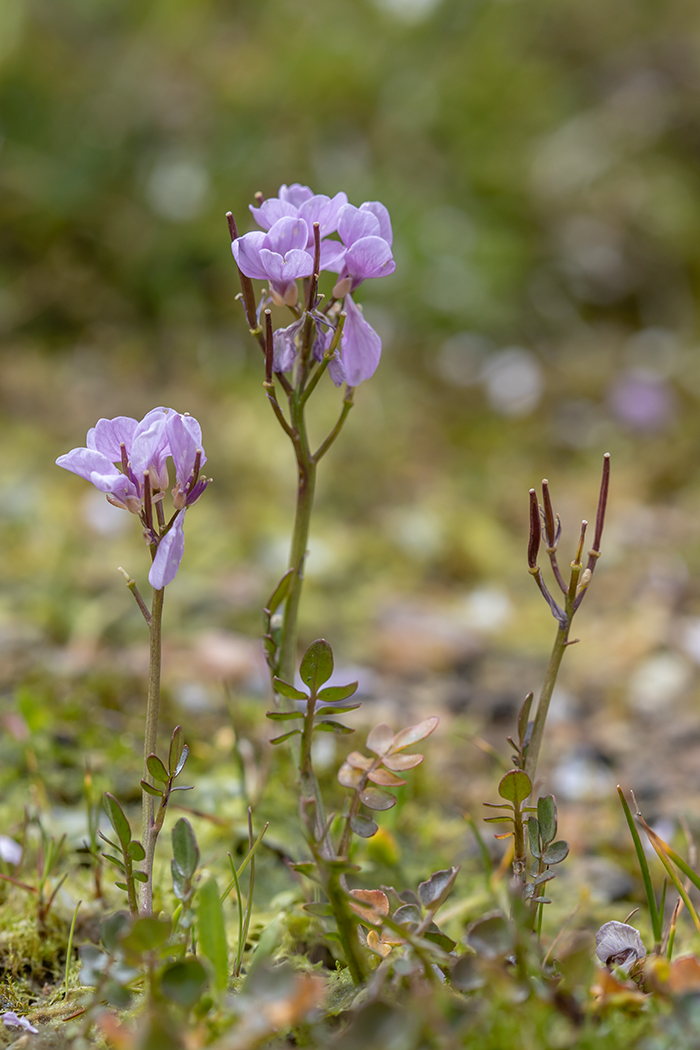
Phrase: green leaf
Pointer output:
(327, 725)
(547, 818)
(534, 834)
(122, 886)
(115, 861)
(556, 852)
(491, 937)
(136, 850)
(185, 849)
(524, 716)
(322, 909)
(182, 888)
(183, 758)
(211, 931)
(151, 790)
(317, 664)
(157, 769)
(113, 928)
(434, 890)
(139, 876)
(515, 787)
(365, 827)
(335, 693)
(146, 934)
(336, 710)
(408, 913)
(117, 819)
(285, 689)
(279, 594)
(373, 798)
(306, 868)
(441, 939)
(105, 839)
(184, 981)
(177, 743)
(283, 716)
(285, 736)
(466, 975)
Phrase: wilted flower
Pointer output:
(284, 342)
(620, 945)
(127, 460)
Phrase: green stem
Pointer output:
(300, 541)
(550, 678)
(347, 928)
(148, 839)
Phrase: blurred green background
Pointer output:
(540, 162)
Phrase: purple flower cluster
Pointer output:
(127, 460)
(285, 252)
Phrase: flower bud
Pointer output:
(179, 498)
(342, 287)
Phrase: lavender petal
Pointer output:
(169, 555)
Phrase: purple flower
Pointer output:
(122, 453)
(11, 1020)
(299, 202)
(360, 348)
(366, 249)
(278, 256)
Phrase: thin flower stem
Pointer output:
(246, 288)
(270, 393)
(300, 539)
(550, 679)
(149, 747)
(131, 584)
(347, 405)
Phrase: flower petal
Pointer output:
(361, 347)
(353, 224)
(286, 235)
(295, 194)
(382, 214)
(369, 257)
(246, 252)
(86, 461)
(169, 555)
(185, 440)
(107, 436)
(283, 269)
(149, 446)
(332, 256)
(271, 210)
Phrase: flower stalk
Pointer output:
(573, 592)
(148, 835)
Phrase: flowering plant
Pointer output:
(297, 244)
(127, 460)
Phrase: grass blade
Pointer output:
(654, 914)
